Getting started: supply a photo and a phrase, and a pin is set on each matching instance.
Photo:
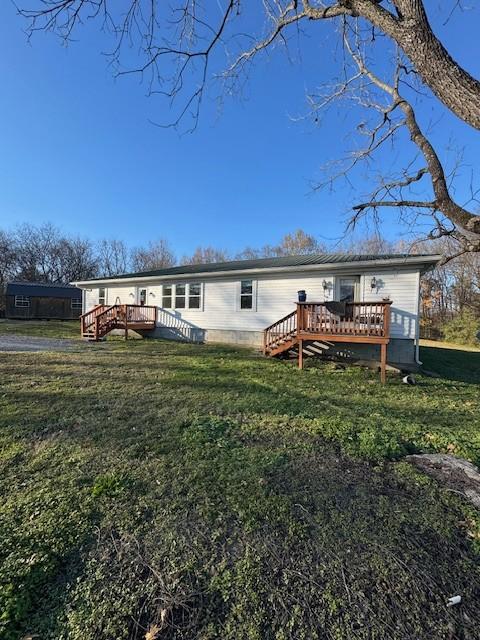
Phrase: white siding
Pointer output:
(276, 297)
(401, 286)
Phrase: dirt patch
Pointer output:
(455, 473)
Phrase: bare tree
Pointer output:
(7, 256)
(155, 256)
(206, 255)
(8, 259)
(371, 244)
(297, 243)
(176, 45)
(112, 257)
(449, 289)
(44, 254)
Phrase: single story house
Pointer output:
(40, 301)
(235, 302)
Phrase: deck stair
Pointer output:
(102, 319)
(312, 328)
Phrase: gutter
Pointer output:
(329, 266)
(417, 336)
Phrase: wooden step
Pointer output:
(281, 348)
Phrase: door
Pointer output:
(348, 289)
(142, 294)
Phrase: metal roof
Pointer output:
(269, 263)
(42, 289)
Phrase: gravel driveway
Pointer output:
(27, 343)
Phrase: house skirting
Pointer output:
(400, 351)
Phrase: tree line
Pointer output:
(45, 254)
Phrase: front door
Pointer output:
(142, 293)
(348, 289)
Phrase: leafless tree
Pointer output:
(7, 262)
(182, 46)
(297, 243)
(450, 288)
(44, 254)
(155, 256)
(7, 257)
(206, 255)
(112, 257)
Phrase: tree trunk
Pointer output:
(456, 88)
(410, 29)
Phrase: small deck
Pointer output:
(99, 321)
(358, 322)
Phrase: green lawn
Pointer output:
(451, 361)
(41, 328)
(160, 490)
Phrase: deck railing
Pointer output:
(357, 319)
(139, 313)
(88, 319)
(102, 318)
(283, 329)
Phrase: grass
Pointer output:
(41, 328)
(160, 490)
(451, 361)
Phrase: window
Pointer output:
(142, 297)
(246, 294)
(102, 295)
(348, 288)
(182, 296)
(76, 303)
(194, 296)
(167, 296)
(22, 301)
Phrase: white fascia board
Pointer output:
(329, 266)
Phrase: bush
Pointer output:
(463, 329)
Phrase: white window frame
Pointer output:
(357, 296)
(22, 302)
(76, 306)
(239, 296)
(173, 296)
(200, 307)
(104, 296)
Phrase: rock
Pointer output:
(455, 473)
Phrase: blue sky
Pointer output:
(79, 150)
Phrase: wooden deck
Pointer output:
(99, 321)
(362, 322)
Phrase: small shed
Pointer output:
(40, 301)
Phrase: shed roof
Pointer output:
(43, 290)
(334, 259)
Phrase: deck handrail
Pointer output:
(104, 318)
(360, 318)
(88, 318)
(274, 324)
(287, 326)
(370, 319)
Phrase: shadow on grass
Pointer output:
(452, 364)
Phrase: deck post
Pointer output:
(300, 354)
(383, 362)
